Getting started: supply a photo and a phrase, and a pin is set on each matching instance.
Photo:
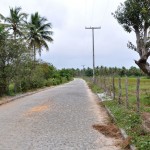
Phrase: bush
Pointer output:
(39, 75)
(37, 78)
(11, 89)
(56, 81)
(25, 85)
(64, 80)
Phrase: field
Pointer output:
(144, 93)
(104, 84)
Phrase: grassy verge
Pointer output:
(128, 118)
(131, 122)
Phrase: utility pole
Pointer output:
(83, 70)
(92, 28)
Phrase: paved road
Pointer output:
(60, 118)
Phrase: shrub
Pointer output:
(11, 89)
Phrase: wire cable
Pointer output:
(107, 8)
(92, 14)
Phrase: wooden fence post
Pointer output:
(113, 88)
(138, 95)
(110, 87)
(104, 84)
(126, 87)
(120, 92)
(100, 85)
(96, 80)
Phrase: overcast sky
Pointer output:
(72, 46)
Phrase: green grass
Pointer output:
(131, 122)
(144, 93)
(128, 119)
(95, 88)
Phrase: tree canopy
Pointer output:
(15, 21)
(17, 67)
(20, 37)
(134, 15)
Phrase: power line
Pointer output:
(106, 10)
(85, 11)
(92, 14)
(89, 10)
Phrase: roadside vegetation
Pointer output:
(22, 36)
(132, 123)
(126, 117)
(129, 88)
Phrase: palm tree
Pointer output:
(38, 33)
(15, 21)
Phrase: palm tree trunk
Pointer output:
(34, 51)
(16, 76)
(17, 87)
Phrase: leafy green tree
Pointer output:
(38, 33)
(123, 71)
(3, 62)
(77, 72)
(134, 15)
(65, 73)
(8, 59)
(89, 72)
(16, 61)
(15, 23)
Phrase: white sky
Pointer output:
(72, 46)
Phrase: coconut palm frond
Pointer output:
(38, 32)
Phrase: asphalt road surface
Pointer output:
(59, 118)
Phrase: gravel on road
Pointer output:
(59, 118)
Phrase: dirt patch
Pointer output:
(37, 109)
(5, 99)
(112, 131)
(125, 143)
(146, 115)
(109, 130)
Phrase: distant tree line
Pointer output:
(107, 71)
